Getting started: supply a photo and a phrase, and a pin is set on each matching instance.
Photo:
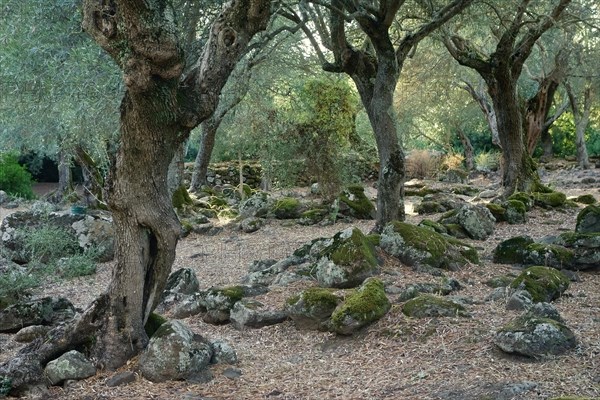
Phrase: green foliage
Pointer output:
(563, 137)
(14, 178)
(13, 284)
(47, 244)
(77, 265)
(59, 88)
(487, 161)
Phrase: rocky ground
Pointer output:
(395, 358)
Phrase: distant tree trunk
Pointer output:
(487, 109)
(538, 106)
(207, 143)
(176, 169)
(547, 145)
(582, 119)
(93, 181)
(468, 148)
(65, 177)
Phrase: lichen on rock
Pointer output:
(543, 283)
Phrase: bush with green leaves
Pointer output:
(14, 283)
(47, 244)
(487, 161)
(14, 178)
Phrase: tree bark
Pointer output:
(160, 107)
(375, 75)
(207, 143)
(582, 119)
(501, 70)
(468, 148)
(65, 177)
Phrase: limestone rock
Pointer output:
(544, 284)
(477, 221)
(346, 260)
(535, 336)
(427, 306)
(312, 308)
(223, 353)
(253, 314)
(70, 366)
(44, 311)
(361, 308)
(588, 220)
(175, 353)
(353, 202)
(417, 246)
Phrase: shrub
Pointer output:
(453, 161)
(487, 161)
(48, 244)
(421, 164)
(14, 178)
(77, 265)
(16, 282)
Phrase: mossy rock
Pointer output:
(361, 308)
(497, 211)
(516, 211)
(313, 216)
(420, 192)
(455, 175)
(429, 306)
(549, 200)
(286, 208)
(418, 246)
(434, 226)
(586, 199)
(465, 190)
(154, 322)
(500, 281)
(549, 254)
(312, 308)
(543, 283)
(430, 207)
(588, 220)
(359, 205)
(457, 231)
(181, 198)
(524, 198)
(347, 260)
(217, 202)
(535, 337)
(512, 251)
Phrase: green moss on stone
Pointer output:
(234, 293)
(584, 214)
(354, 197)
(367, 304)
(181, 198)
(524, 198)
(512, 251)
(543, 283)
(552, 199)
(586, 199)
(432, 248)
(430, 207)
(428, 305)
(320, 297)
(434, 226)
(356, 247)
(154, 322)
(500, 281)
(286, 208)
(497, 211)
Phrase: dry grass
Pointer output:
(396, 358)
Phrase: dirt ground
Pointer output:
(395, 358)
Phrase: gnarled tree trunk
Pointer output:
(160, 107)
